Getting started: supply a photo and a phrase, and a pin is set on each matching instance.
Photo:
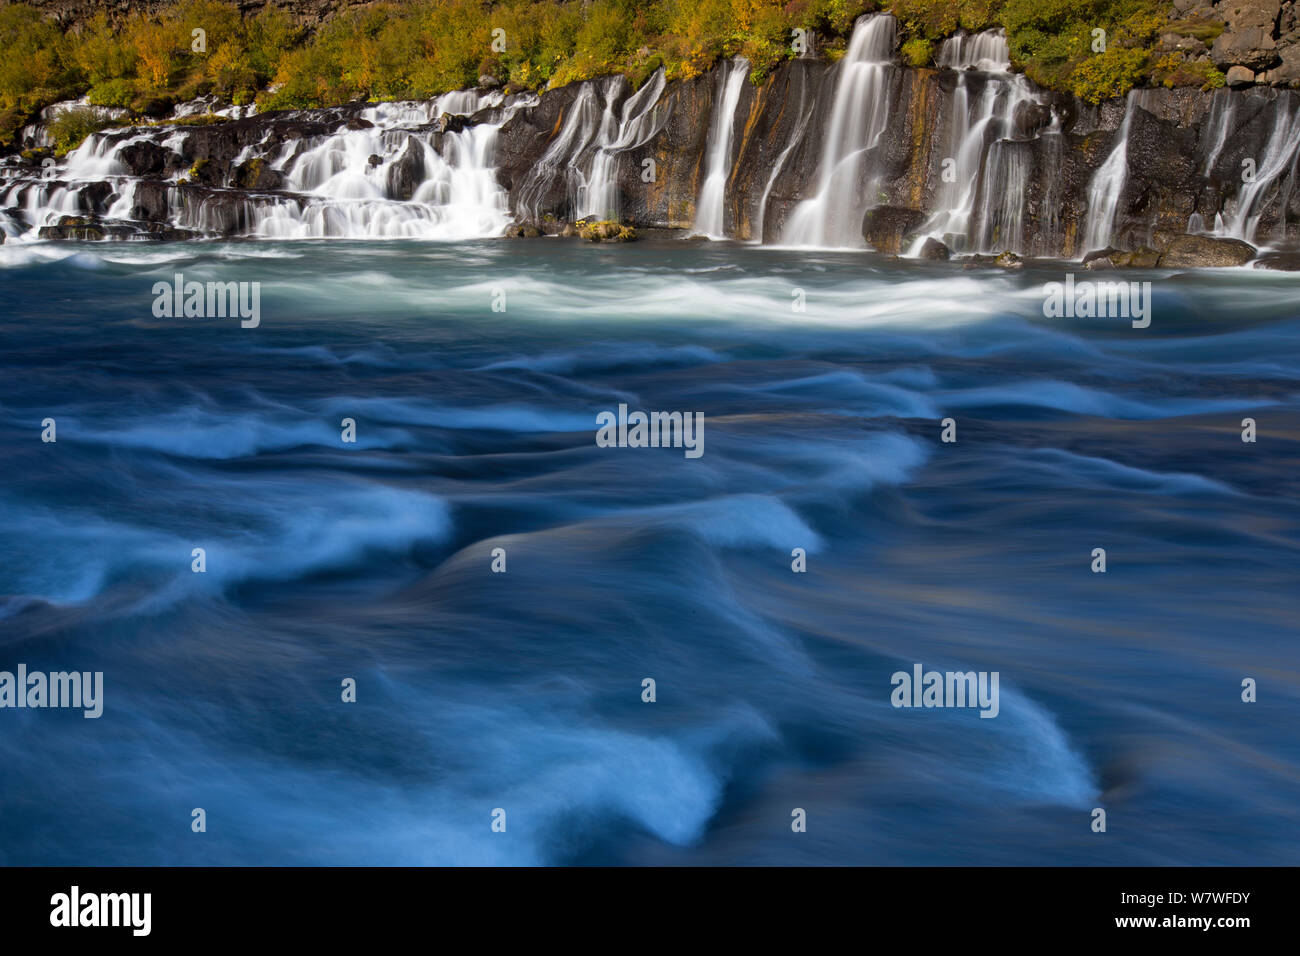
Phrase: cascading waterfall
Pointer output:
(641, 118)
(586, 154)
(832, 216)
(986, 52)
(976, 157)
(1108, 183)
(348, 184)
(1280, 159)
(1222, 113)
(427, 169)
(805, 116)
(710, 206)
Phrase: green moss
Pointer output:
(918, 51)
(606, 230)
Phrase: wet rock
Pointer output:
(523, 230)
(1188, 251)
(1009, 260)
(935, 251)
(1280, 261)
(1142, 258)
(256, 174)
(150, 201)
(452, 123)
(94, 229)
(886, 227)
(144, 158)
(1095, 255)
(406, 172)
(1031, 118)
(488, 82)
(95, 196)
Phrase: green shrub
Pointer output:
(70, 127)
(918, 51)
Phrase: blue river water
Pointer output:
(522, 691)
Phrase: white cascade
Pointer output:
(1108, 184)
(641, 118)
(832, 216)
(1277, 166)
(975, 156)
(710, 206)
(396, 178)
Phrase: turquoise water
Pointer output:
(522, 690)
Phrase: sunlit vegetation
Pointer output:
(146, 63)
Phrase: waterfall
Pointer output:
(598, 192)
(986, 52)
(580, 126)
(585, 156)
(709, 208)
(387, 173)
(1107, 185)
(804, 115)
(1222, 110)
(1279, 160)
(977, 160)
(832, 216)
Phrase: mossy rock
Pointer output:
(606, 230)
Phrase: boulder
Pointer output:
(1239, 76)
(523, 230)
(1205, 252)
(605, 231)
(886, 227)
(1031, 118)
(1247, 39)
(935, 251)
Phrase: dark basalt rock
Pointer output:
(256, 174)
(150, 201)
(405, 173)
(935, 251)
(144, 158)
(94, 229)
(886, 228)
(1281, 261)
(1031, 118)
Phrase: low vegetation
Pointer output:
(147, 62)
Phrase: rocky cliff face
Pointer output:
(1260, 42)
(969, 159)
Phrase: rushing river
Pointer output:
(474, 374)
